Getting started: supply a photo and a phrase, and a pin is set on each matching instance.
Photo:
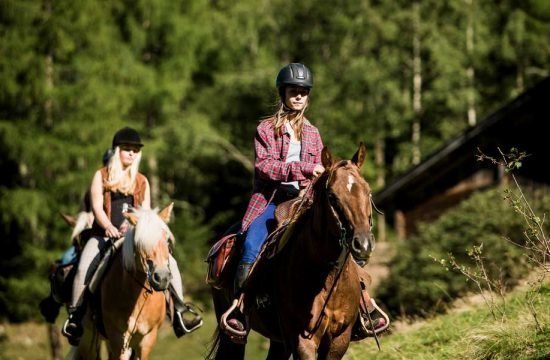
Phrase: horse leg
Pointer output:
(228, 350)
(336, 347)
(116, 347)
(305, 349)
(277, 350)
(146, 345)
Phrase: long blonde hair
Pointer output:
(282, 116)
(120, 179)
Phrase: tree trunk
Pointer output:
(48, 76)
(470, 72)
(154, 180)
(417, 85)
(380, 183)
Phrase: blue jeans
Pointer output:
(257, 233)
(68, 255)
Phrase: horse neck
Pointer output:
(321, 240)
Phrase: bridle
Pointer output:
(345, 228)
(147, 269)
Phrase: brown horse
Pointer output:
(306, 298)
(132, 299)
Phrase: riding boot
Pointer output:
(186, 318)
(49, 308)
(240, 278)
(72, 329)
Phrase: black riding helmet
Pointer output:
(294, 74)
(127, 136)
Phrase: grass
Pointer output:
(468, 332)
(29, 341)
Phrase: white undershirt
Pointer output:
(294, 149)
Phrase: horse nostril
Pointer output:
(357, 246)
(156, 278)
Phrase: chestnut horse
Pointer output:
(132, 299)
(306, 298)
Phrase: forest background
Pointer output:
(196, 76)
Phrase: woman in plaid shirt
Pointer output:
(288, 156)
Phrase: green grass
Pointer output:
(29, 341)
(468, 334)
(465, 333)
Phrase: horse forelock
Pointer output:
(144, 237)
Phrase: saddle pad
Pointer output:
(286, 214)
(286, 210)
(103, 265)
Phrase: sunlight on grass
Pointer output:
(466, 334)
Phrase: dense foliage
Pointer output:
(420, 285)
(194, 77)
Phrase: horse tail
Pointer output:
(215, 345)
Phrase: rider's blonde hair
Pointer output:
(282, 116)
(120, 179)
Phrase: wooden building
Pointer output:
(453, 172)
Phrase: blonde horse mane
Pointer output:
(144, 236)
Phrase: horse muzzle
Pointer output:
(159, 278)
(361, 246)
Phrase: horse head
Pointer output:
(146, 245)
(349, 198)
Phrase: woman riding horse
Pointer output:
(114, 188)
(288, 157)
(305, 297)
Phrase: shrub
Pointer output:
(419, 286)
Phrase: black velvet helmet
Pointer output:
(127, 136)
(294, 74)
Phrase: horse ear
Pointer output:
(131, 217)
(359, 157)
(69, 219)
(326, 158)
(165, 213)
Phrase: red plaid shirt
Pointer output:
(270, 166)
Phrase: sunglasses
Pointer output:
(127, 148)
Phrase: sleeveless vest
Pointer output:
(139, 195)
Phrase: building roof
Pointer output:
(522, 123)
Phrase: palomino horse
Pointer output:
(306, 298)
(132, 299)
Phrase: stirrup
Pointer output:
(367, 322)
(182, 326)
(234, 329)
(72, 331)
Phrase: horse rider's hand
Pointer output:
(112, 232)
(318, 170)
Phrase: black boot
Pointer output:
(186, 318)
(241, 275)
(72, 329)
(49, 308)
